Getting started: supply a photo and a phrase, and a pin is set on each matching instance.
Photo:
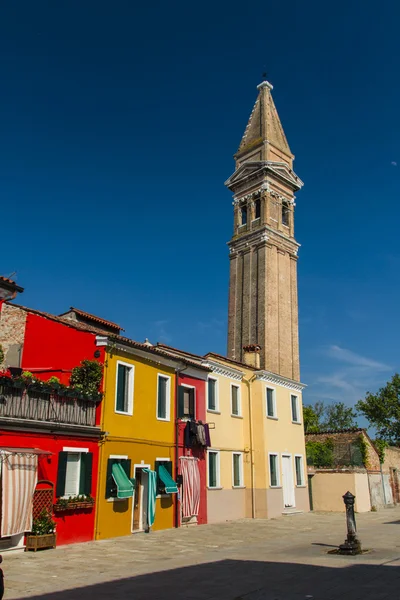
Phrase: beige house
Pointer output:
(269, 437)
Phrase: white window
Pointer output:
(163, 397)
(295, 409)
(273, 470)
(271, 402)
(237, 468)
(235, 400)
(212, 394)
(213, 469)
(72, 475)
(124, 388)
(299, 464)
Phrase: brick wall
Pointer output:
(12, 333)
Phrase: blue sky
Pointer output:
(118, 125)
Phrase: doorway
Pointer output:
(140, 499)
(287, 481)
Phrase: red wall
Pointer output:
(199, 453)
(78, 525)
(56, 348)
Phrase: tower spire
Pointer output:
(264, 128)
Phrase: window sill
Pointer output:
(296, 422)
(126, 414)
(164, 420)
(303, 485)
(275, 487)
(215, 412)
(238, 487)
(214, 488)
(272, 418)
(117, 499)
(237, 416)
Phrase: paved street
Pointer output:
(282, 559)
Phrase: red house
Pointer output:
(50, 441)
(192, 457)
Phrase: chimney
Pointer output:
(251, 355)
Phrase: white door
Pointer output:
(287, 481)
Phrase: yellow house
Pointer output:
(137, 454)
(267, 436)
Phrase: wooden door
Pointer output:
(137, 499)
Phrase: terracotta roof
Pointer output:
(350, 430)
(119, 338)
(10, 283)
(231, 360)
(94, 318)
(180, 352)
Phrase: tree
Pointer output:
(383, 410)
(339, 416)
(319, 417)
(310, 420)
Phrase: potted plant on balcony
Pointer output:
(43, 534)
(73, 503)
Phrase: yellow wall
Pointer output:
(328, 489)
(140, 436)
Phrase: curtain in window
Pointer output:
(190, 486)
(18, 482)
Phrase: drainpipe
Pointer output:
(252, 476)
(383, 485)
(101, 341)
(178, 371)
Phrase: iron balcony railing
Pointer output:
(16, 403)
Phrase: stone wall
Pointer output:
(12, 333)
(349, 437)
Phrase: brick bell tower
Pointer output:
(263, 305)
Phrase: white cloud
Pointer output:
(352, 358)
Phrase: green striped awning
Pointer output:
(125, 486)
(170, 485)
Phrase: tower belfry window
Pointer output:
(257, 209)
(285, 214)
(243, 211)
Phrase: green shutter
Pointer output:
(191, 403)
(181, 401)
(212, 469)
(61, 474)
(121, 382)
(126, 465)
(111, 488)
(211, 394)
(85, 481)
(162, 398)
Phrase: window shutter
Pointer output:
(85, 482)
(111, 488)
(121, 388)
(191, 403)
(126, 465)
(61, 474)
(181, 401)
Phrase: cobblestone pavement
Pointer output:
(281, 559)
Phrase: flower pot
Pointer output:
(40, 542)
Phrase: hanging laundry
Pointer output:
(201, 434)
(207, 435)
(191, 434)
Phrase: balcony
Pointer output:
(27, 405)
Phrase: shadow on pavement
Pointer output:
(250, 580)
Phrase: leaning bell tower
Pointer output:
(263, 306)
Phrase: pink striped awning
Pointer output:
(190, 486)
(18, 482)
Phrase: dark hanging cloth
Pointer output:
(207, 435)
(191, 434)
(187, 435)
